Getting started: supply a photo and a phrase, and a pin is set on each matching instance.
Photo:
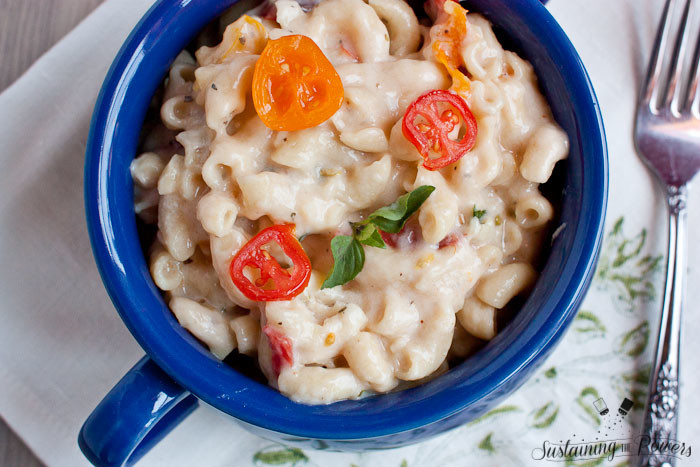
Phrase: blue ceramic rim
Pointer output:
(112, 230)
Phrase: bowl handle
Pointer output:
(137, 413)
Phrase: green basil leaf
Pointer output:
(348, 259)
(478, 213)
(370, 236)
(393, 217)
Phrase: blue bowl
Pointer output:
(126, 423)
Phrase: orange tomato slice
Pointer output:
(294, 85)
(450, 30)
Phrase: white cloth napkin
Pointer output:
(62, 345)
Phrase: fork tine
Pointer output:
(674, 99)
(651, 89)
(693, 86)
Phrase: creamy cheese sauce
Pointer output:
(468, 250)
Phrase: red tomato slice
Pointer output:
(275, 283)
(449, 240)
(409, 234)
(281, 347)
(440, 111)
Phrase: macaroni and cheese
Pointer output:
(256, 202)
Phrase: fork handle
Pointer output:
(661, 416)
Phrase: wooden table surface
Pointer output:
(28, 28)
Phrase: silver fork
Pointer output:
(667, 136)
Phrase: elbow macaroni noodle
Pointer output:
(212, 175)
